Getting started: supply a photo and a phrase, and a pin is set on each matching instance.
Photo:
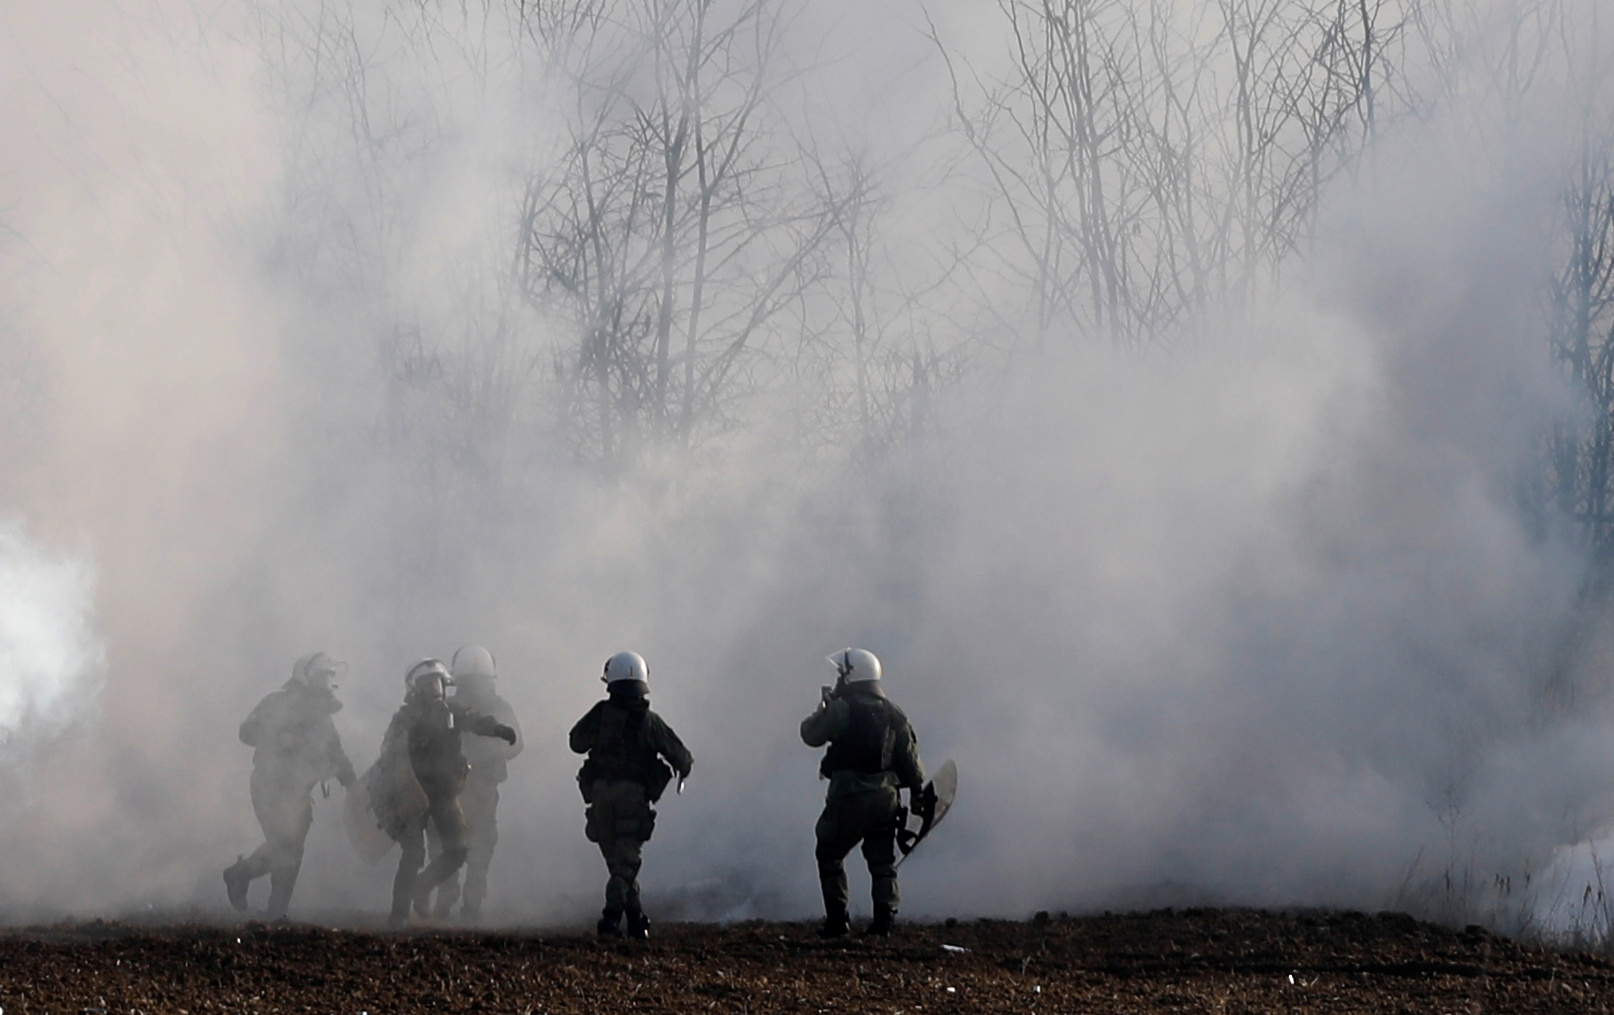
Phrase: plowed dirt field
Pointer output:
(1223, 961)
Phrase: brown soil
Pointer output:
(1169, 961)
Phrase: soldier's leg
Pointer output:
(638, 925)
(622, 892)
(601, 830)
(482, 835)
(247, 869)
(413, 845)
(880, 852)
(618, 820)
(623, 826)
(266, 795)
(239, 875)
(285, 813)
(835, 840)
(258, 862)
(288, 854)
(877, 821)
(448, 890)
(444, 813)
(635, 823)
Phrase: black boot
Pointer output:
(638, 926)
(835, 925)
(236, 880)
(610, 924)
(882, 924)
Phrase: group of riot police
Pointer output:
(435, 792)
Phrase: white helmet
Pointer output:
(425, 670)
(626, 666)
(856, 665)
(317, 669)
(474, 661)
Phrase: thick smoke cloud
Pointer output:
(1257, 618)
(53, 661)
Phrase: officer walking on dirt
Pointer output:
(295, 746)
(474, 675)
(423, 741)
(872, 752)
(625, 773)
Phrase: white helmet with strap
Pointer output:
(856, 665)
(425, 670)
(626, 666)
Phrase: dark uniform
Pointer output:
(480, 800)
(624, 774)
(426, 731)
(295, 746)
(872, 752)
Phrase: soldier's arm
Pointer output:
(515, 724)
(337, 759)
(482, 725)
(905, 759)
(583, 734)
(670, 747)
(252, 726)
(825, 724)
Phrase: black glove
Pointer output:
(506, 733)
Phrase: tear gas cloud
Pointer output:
(1254, 615)
(53, 661)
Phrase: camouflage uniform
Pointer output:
(295, 746)
(624, 774)
(426, 732)
(480, 800)
(872, 752)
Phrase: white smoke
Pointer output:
(52, 662)
(1259, 618)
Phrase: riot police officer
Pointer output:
(872, 753)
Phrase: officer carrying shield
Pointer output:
(872, 753)
(474, 678)
(422, 743)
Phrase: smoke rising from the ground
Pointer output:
(1262, 616)
(51, 661)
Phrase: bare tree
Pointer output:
(673, 229)
(871, 334)
(1156, 162)
(1580, 317)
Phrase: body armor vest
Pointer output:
(623, 751)
(434, 743)
(868, 745)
